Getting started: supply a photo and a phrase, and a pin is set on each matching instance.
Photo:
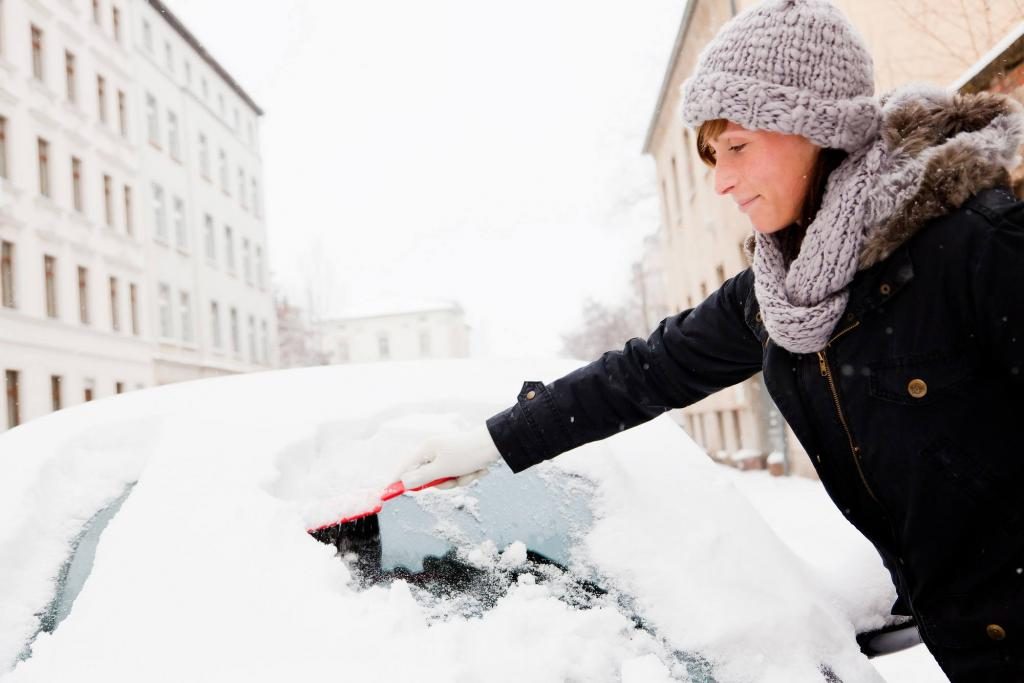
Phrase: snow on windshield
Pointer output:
(207, 570)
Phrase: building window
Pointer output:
(248, 130)
(180, 227)
(675, 189)
(224, 172)
(37, 52)
(76, 183)
(3, 147)
(152, 120)
(252, 339)
(115, 313)
(215, 324)
(115, 21)
(383, 346)
(118, 387)
(96, 12)
(56, 398)
(256, 209)
(13, 398)
(50, 273)
(88, 390)
(108, 200)
(166, 323)
(204, 86)
(229, 249)
(236, 342)
(238, 120)
(259, 267)
(159, 214)
(265, 342)
(241, 189)
(147, 36)
(220, 104)
(246, 261)
(43, 156)
(173, 146)
(129, 222)
(101, 98)
(133, 301)
(122, 113)
(69, 77)
(186, 316)
(204, 156)
(211, 239)
(7, 274)
(168, 57)
(83, 295)
(424, 343)
(188, 72)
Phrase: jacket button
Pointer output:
(885, 289)
(530, 394)
(917, 388)
(995, 632)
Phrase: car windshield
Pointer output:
(462, 550)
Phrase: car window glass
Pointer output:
(76, 569)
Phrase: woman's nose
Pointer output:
(725, 179)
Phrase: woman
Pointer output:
(884, 304)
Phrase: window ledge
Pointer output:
(81, 219)
(41, 88)
(46, 204)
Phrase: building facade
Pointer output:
(701, 234)
(401, 332)
(105, 283)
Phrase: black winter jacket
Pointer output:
(913, 414)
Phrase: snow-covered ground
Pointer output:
(207, 573)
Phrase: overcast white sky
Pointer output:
(480, 151)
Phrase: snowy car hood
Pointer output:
(207, 572)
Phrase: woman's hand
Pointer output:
(463, 455)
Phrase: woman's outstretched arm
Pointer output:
(689, 356)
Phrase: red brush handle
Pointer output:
(391, 491)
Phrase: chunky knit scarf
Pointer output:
(933, 151)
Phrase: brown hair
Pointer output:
(828, 160)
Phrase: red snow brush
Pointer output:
(391, 491)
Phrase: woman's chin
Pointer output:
(766, 228)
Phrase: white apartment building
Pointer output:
(384, 332)
(107, 280)
(207, 256)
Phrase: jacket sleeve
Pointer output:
(996, 279)
(688, 356)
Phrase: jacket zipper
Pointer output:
(826, 372)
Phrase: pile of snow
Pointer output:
(207, 571)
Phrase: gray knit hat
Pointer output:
(790, 66)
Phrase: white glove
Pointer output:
(464, 455)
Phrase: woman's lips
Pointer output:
(745, 205)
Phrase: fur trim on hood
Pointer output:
(939, 149)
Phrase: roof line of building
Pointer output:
(453, 306)
(989, 58)
(176, 24)
(677, 47)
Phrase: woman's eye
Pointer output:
(736, 148)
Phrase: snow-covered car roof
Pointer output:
(206, 572)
